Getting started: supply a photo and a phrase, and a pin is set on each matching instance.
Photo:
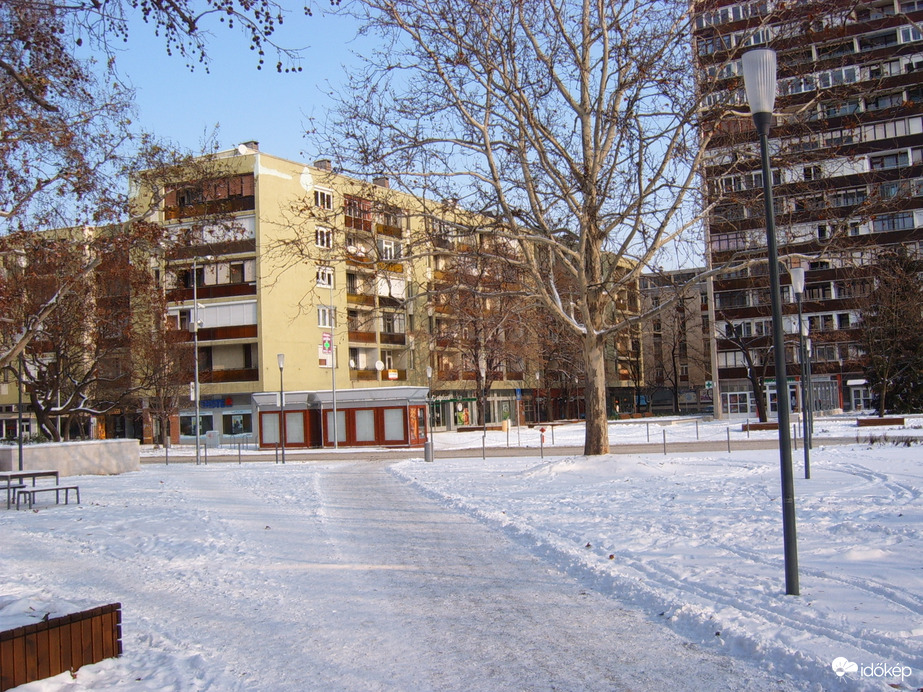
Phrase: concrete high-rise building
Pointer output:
(847, 167)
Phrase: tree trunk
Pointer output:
(597, 424)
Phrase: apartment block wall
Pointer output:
(847, 159)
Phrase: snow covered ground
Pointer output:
(691, 542)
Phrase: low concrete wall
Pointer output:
(91, 457)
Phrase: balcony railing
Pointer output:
(179, 295)
(237, 375)
(394, 339)
(245, 331)
(361, 336)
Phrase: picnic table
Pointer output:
(20, 476)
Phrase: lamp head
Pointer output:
(797, 275)
(759, 67)
(280, 358)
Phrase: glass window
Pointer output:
(365, 425)
(237, 424)
(394, 424)
(187, 424)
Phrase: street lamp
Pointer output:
(428, 425)
(195, 339)
(759, 68)
(280, 358)
(807, 397)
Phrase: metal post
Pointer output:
(281, 360)
(760, 80)
(805, 390)
(19, 410)
(195, 340)
(782, 399)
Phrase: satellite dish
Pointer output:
(242, 149)
(379, 366)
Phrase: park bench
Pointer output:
(31, 492)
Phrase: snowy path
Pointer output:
(334, 576)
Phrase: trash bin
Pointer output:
(212, 439)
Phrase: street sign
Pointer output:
(709, 384)
(326, 339)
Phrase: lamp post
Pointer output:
(797, 275)
(759, 68)
(428, 444)
(196, 323)
(280, 358)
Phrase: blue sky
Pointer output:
(245, 103)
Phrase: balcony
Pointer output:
(245, 331)
(364, 375)
(362, 336)
(221, 376)
(394, 339)
(360, 299)
(180, 295)
(221, 206)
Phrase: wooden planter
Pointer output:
(45, 649)
(759, 426)
(871, 422)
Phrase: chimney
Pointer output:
(252, 145)
(323, 164)
(381, 181)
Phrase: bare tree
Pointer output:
(572, 123)
(891, 329)
(484, 322)
(67, 138)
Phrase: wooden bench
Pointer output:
(31, 492)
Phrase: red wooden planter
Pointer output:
(45, 649)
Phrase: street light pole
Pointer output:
(797, 275)
(195, 341)
(280, 358)
(759, 67)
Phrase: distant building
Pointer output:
(847, 157)
(676, 343)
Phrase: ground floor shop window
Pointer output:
(187, 425)
(237, 424)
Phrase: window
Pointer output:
(392, 323)
(358, 213)
(323, 237)
(389, 249)
(326, 316)
(849, 198)
(901, 221)
(325, 277)
(884, 101)
(323, 199)
(896, 160)
(352, 283)
(812, 173)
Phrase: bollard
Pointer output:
(428, 450)
(729, 440)
(648, 431)
(664, 442)
(542, 441)
(238, 452)
(696, 428)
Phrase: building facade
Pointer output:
(847, 165)
(676, 343)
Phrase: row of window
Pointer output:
(761, 8)
(820, 353)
